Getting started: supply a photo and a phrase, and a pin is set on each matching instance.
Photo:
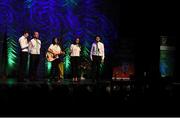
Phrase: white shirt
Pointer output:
(55, 48)
(23, 43)
(75, 50)
(97, 49)
(34, 46)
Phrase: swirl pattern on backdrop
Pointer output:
(62, 18)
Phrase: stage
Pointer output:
(140, 41)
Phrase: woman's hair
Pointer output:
(53, 40)
(74, 42)
(60, 42)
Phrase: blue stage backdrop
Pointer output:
(61, 18)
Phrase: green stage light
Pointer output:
(67, 62)
(10, 82)
(11, 54)
(49, 66)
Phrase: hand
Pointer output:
(55, 53)
(58, 53)
(62, 52)
(102, 61)
(91, 59)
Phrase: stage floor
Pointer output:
(67, 87)
(122, 96)
(88, 86)
(13, 81)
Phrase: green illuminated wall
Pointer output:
(12, 53)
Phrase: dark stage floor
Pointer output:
(89, 87)
(88, 98)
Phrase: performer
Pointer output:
(75, 56)
(55, 51)
(97, 56)
(34, 50)
(23, 41)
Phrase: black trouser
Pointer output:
(75, 66)
(96, 63)
(23, 65)
(34, 62)
(55, 68)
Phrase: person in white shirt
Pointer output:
(55, 49)
(75, 50)
(97, 56)
(23, 41)
(34, 50)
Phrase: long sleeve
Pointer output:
(103, 52)
(23, 44)
(39, 44)
(71, 48)
(91, 52)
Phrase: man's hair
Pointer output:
(35, 32)
(25, 31)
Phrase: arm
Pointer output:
(22, 45)
(103, 53)
(71, 48)
(39, 44)
(80, 48)
(50, 49)
(59, 51)
(91, 52)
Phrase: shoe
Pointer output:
(59, 81)
(82, 78)
(75, 79)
